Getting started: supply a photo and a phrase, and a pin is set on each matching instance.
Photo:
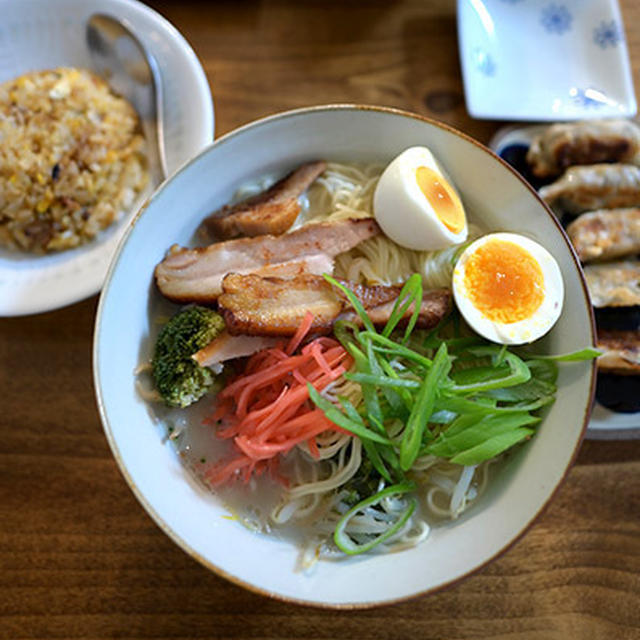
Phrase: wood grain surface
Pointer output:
(79, 557)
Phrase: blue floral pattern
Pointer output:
(589, 98)
(608, 34)
(484, 63)
(556, 18)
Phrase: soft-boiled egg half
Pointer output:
(508, 288)
(416, 205)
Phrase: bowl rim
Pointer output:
(351, 107)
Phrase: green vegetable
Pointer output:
(393, 348)
(442, 393)
(383, 381)
(470, 441)
(337, 417)
(180, 379)
(350, 546)
(423, 408)
(370, 447)
(574, 356)
(353, 301)
(369, 392)
(492, 447)
(411, 293)
(459, 398)
(517, 371)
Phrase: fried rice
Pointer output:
(72, 159)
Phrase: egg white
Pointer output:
(523, 331)
(403, 211)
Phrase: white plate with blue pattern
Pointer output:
(544, 60)
(41, 34)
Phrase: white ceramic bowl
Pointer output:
(41, 34)
(193, 517)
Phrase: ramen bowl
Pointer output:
(193, 516)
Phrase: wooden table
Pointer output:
(79, 557)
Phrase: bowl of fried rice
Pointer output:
(74, 161)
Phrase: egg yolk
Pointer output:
(442, 198)
(504, 282)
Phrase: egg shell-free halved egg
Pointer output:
(416, 204)
(508, 288)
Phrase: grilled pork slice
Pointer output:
(195, 275)
(227, 347)
(614, 284)
(257, 306)
(606, 234)
(621, 352)
(272, 211)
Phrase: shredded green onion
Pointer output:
(460, 398)
(337, 417)
(347, 544)
(423, 408)
(574, 356)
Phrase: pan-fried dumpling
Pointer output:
(621, 352)
(614, 284)
(581, 143)
(606, 234)
(597, 186)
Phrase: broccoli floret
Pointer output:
(180, 379)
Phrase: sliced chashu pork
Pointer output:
(195, 275)
(253, 305)
(272, 211)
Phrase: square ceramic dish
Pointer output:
(39, 34)
(544, 60)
